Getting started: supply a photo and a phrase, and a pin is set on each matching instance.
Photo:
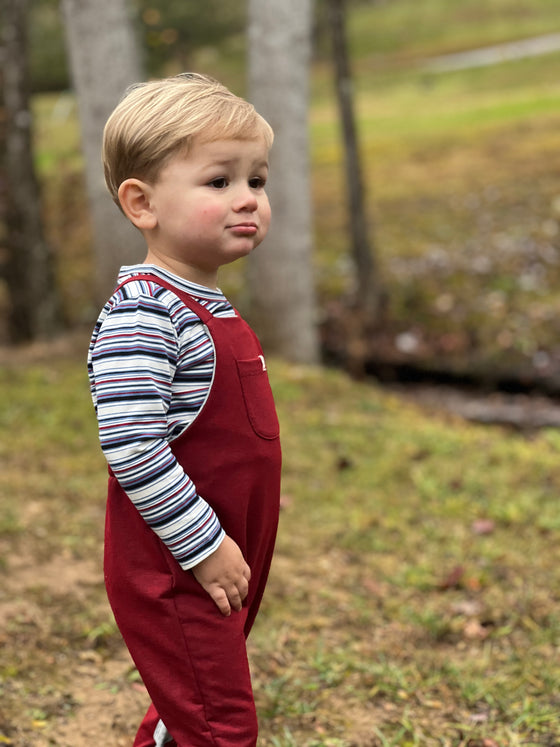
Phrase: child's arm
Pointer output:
(225, 576)
(133, 365)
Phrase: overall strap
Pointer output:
(202, 313)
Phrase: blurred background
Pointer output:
(456, 110)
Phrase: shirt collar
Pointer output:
(193, 289)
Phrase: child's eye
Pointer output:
(220, 182)
(257, 182)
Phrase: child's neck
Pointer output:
(187, 272)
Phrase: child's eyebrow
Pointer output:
(223, 162)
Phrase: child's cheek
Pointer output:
(211, 214)
(265, 214)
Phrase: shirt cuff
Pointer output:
(204, 552)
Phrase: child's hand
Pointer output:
(225, 576)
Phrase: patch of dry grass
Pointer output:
(414, 594)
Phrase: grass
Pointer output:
(406, 30)
(414, 595)
(385, 504)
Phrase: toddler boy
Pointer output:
(186, 416)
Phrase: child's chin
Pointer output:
(245, 247)
(238, 253)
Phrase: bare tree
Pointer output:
(29, 266)
(104, 60)
(366, 292)
(283, 305)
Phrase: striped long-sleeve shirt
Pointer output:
(151, 365)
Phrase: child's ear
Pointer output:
(135, 199)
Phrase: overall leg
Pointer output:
(192, 660)
(150, 728)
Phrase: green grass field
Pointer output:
(413, 599)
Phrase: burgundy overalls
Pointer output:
(192, 659)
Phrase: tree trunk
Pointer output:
(366, 293)
(29, 266)
(104, 60)
(283, 305)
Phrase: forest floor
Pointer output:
(47, 600)
(99, 705)
(413, 598)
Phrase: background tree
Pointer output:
(366, 296)
(47, 56)
(104, 60)
(29, 266)
(283, 306)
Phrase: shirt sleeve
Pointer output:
(133, 364)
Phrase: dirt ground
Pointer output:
(94, 697)
(100, 705)
(54, 611)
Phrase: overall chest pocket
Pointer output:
(258, 397)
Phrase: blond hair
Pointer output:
(159, 119)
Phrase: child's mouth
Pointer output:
(244, 229)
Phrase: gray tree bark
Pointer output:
(366, 291)
(283, 305)
(34, 311)
(104, 60)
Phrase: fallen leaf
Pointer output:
(467, 607)
(373, 586)
(285, 501)
(453, 578)
(483, 526)
(472, 583)
(343, 463)
(473, 630)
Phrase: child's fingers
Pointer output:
(230, 598)
(237, 592)
(236, 600)
(225, 577)
(243, 585)
(220, 599)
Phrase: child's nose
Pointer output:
(245, 199)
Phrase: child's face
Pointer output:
(210, 208)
